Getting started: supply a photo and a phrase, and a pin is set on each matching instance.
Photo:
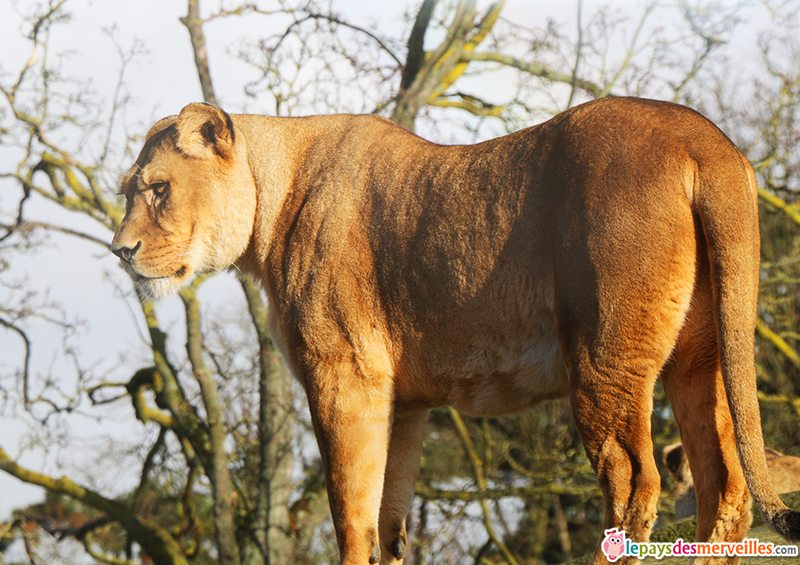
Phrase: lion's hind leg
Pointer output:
(612, 408)
(612, 376)
(617, 324)
(693, 384)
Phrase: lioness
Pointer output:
(784, 472)
(587, 256)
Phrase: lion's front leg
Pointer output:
(402, 468)
(351, 413)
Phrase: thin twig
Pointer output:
(579, 52)
(31, 226)
(480, 480)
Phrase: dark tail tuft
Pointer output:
(787, 524)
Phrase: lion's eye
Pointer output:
(160, 190)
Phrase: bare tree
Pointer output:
(215, 476)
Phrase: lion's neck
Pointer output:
(276, 149)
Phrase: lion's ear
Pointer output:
(205, 130)
(674, 458)
(160, 126)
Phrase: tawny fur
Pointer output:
(583, 257)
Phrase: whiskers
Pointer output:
(184, 241)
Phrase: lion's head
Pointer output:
(190, 201)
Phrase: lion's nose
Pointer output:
(125, 253)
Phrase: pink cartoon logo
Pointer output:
(614, 544)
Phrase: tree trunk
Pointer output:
(194, 24)
(217, 467)
(271, 524)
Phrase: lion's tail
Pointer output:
(726, 199)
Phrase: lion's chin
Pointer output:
(153, 288)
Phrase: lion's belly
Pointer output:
(501, 365)
(506, 379)
(490, 346)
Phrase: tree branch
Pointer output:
(88, 545)
(578, 54)
(793, 403)
(776, 340)
(41, 23)
(426, 492)
(480, 480)
(218, 472)
(186, 423)
(479, 33)
(27, 358)
(31, 226)
(536, 69)
(271, 521)
(437, 65)
(471, 104)
(149, 463)
(791, 210)
(155, 541)
(416, 51)
(147, 378)
(375, 38)
(77, 532)
(194, 24)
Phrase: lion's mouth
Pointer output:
(139, 278)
